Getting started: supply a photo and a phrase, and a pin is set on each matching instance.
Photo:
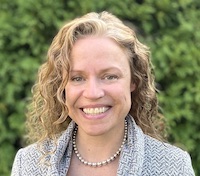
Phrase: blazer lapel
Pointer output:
(132, 155)
(60, 160)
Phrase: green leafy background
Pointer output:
(170, 28)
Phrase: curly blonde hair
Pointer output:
(47, 114)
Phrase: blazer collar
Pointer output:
(61, 158)
(132, 155)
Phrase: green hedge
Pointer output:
(170, 28)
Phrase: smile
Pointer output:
(95, 111)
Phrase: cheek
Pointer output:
(69, 101)
(72, 95)
(127, 93)
(122, 93)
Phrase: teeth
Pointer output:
(94, 111)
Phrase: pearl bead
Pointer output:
(102, 163)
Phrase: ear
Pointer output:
(132, 87)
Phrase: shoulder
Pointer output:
(27, 160)
(44, 157)
(154, 145)
(165, 158)
(29, 151)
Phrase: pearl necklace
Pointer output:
(102, 163)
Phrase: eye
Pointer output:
(111, 77)
(77, 79)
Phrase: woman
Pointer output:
(94, 107)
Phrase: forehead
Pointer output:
(102, 50)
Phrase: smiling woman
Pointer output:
(103, 84)
(94, 107)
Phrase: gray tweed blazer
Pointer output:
(142, 155)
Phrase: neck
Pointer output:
(101, 147)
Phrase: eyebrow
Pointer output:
(102, 71)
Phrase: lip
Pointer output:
(95, 116)
(95, 106)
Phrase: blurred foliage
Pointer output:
(170, 28)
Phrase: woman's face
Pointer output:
(98, 93)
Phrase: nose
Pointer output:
(93, 89)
